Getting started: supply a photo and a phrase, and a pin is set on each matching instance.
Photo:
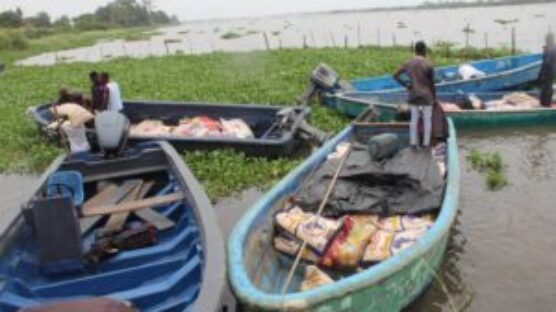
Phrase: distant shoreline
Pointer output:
(381, 9)
(433, 6)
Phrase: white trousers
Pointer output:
(427, 123)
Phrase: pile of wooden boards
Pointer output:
(117, 203)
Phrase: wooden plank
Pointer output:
(117, 221)
(135, 205)
(157, 219)
(109, 196)
(150, 215)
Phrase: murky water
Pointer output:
(503, 246)
(324, 30)
(14, 189)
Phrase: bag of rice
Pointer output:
(314, 278)
(379, 247)
(417, 222)
(346, 250)
(289, 220)
(290, 246)
(318, 231)
(406, 239)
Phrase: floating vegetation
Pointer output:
(252, 77)
(216, 30)
(490, 164)
(275, 33)
(540, 15)
(172, 40)
(401, 25)
(468, 29)
(230, 35)
(505, 22)
(252, 32)
(138, 36)
(184, 32)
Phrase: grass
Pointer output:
(490, 164)
(275, 77)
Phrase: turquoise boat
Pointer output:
(387, 106)
(257, 273)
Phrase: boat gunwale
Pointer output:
(488, 77)
(253, 296)
(305, 112)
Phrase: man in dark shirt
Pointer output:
(99, 93)
(421, 89)
(547, 72)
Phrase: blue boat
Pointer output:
(183, 271)
(387, 286)
(501, 74)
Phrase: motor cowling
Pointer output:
(112, 129)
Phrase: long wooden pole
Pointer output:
(319, 212)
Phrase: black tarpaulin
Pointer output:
(408, 183)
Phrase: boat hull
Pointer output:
(501, 74)
(386, 107)
(387, 286)
(258, 117)
(183, 271)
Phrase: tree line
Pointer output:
(119, 13)
(464, 3)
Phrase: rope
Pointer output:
(319, 212)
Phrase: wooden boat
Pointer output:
(388, 105)
(387, 286)
(183, 271)
(271, 139)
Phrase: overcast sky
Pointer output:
(203, 9)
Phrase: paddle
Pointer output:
(319, 212)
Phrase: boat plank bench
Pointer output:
(134, 205)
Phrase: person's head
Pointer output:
(550, 39)
(64, 96)
(93, 76)
(421, 48)
(104, 77)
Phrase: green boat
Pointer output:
(257, 272)
(388, 106)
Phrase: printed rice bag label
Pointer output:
(392, 224)
(347, 248)
(417, 222)
(317, 232)
(289, 220)
(290, 246)
(314, 278)
(379, 247)
(406, 239)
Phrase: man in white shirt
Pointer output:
(115, 102)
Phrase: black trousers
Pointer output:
(546, 93)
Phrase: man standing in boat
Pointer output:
(421, 90)
(547, 72)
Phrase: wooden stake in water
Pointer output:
(514, 49)
(358, 35)
(346, 41)
(319, 212)
(267, 44)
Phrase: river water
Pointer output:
(351, 29)
(503, 245)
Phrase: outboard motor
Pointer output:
(323, 79)
(112, 129)
(288, 116)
